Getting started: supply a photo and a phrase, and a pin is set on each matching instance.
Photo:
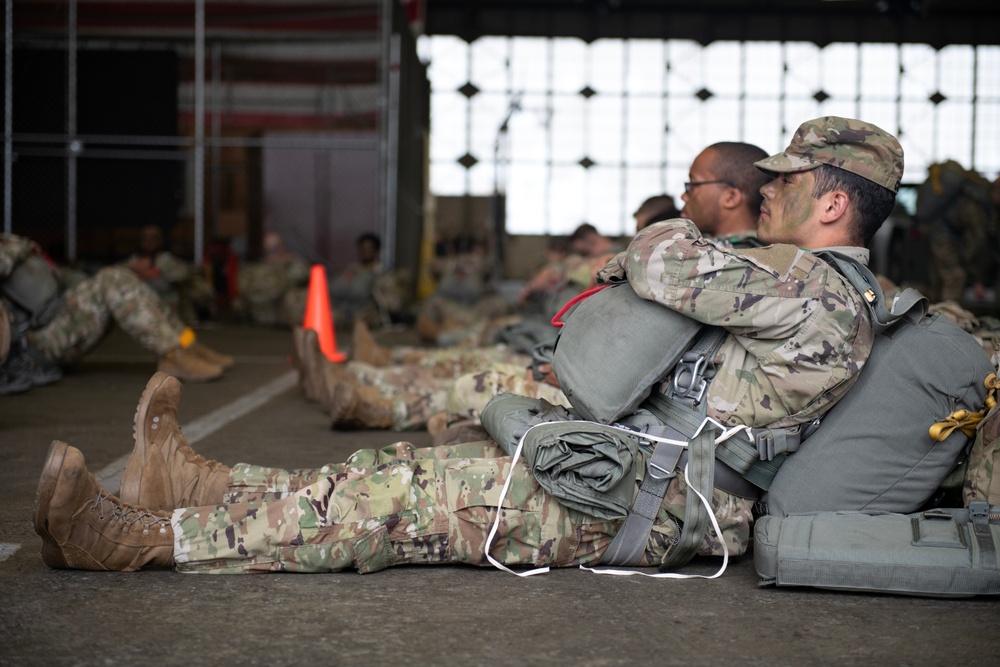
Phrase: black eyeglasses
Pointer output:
(691, 185)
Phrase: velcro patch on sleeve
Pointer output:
(779, 259)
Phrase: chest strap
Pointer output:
(691, 377)
(742, 465)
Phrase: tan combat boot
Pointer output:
(427, 328)
(4, 333)
(83, 527)
(359, 406)
(364, 348)
(188, 366)
(309, 360)
(164, 473)
(332, 375)
(224, 361)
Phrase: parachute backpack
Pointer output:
(843, 512)
(874, 450)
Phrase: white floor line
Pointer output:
(145, 357)
(7, 550)
(110, 477)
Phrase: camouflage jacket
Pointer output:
(172, 269)
(14, 250)
(799, 332)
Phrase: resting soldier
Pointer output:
(55, 326)
(797, 335)
(723, 196)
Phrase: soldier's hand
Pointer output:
(613, 271)
(549, 377)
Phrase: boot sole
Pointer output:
(51, 553)
(132, 475)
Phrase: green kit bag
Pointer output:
(614, 347)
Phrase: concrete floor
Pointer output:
(413, 615)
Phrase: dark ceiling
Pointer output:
(935, 22)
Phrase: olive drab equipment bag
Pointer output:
(843, 511)
(629, 343)
(941, 552)
(35, 290)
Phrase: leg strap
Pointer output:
(630, 541)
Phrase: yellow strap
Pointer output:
(992, 383)
(966, 419)
(963, 419)
(186, 338)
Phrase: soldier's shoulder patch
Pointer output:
(780, 259)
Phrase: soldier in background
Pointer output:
(52, 327)
(176, 281)
(365, 291)
(272, 290)
(587, 242)
(955, 218)
(464, 297)
(655, 209)
(722, 196)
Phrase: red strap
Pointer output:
(556, 319)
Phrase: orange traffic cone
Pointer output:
(318, 316)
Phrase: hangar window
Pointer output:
(572, 132)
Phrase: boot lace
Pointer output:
(128, 515)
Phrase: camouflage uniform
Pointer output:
(113, 294)
(422, 388)
(400, 505)
(267, 288)
(170, 273)
(178, 283)
(462, 300)
(798, 338)
(470, 393)
(454, 362)
(981, 479)
(955, 216)
(351, 294)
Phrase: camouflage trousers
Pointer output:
(113, 294)
(470, 393)
(404, 505)
(421, 387)
(417, 394)
(453, 362)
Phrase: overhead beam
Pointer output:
(815, 21)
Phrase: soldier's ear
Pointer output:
(834, 206)
(731, 197)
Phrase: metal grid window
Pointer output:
(573, 132)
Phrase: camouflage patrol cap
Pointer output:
(852, 145)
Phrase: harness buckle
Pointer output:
(667, 474)
(691, 375)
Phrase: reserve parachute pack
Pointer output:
(628, 344)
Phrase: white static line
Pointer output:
(110, 477)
